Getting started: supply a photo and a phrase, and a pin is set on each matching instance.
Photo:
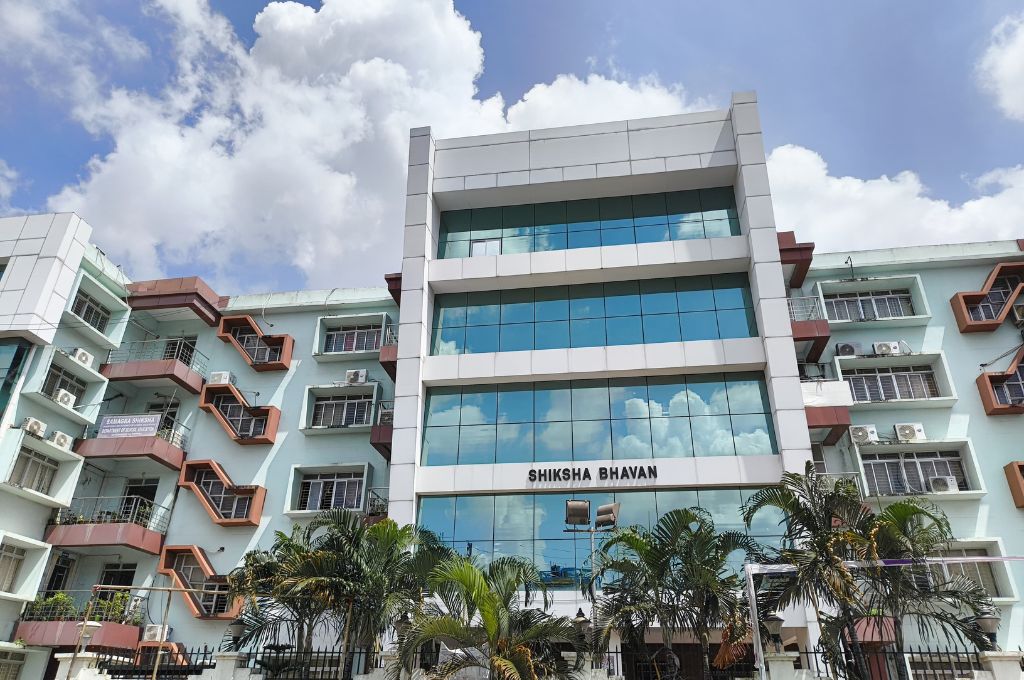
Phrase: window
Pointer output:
(901, 474)
(342, 411)
(12, 359)
(241, 420)
(992, 305)
(979, 572)
(228, 505)
(59, 379)
(251, 343)
(363, 338)
(60, 573)
(885, 384)
(323, 491)
(183, 349)
(11, 558)
(33, 470)
(615, 220)
(582, 420)
(118, 574)
(1011, 390)
(818, 456)
(168, 411)
(214, 599)
(10, 665)
(89, 310)
(869, 305)
(594, 315)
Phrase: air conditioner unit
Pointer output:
(847, 349)
(886, 348)
(221, 378)
(156, 632)
(355, 377)
(1018, 316)
(82, 357)
(943, 485)
(64, 398)
(36, 427)
(909, 432)
(863, 434)
(61, 439)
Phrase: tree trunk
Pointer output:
(705, 650)
(344, 642)
(859, 660)
(897, 629)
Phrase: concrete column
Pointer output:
(1003, 665)
(68, 671)
(781, 665)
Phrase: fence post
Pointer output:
(1003, 665)
(69, 671)
(781, 665)
(224, 667)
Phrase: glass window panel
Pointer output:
(586, 301)
(450, 310)
(517, 216)
(617, 237)
(582, 215)
(707, 395)
(551, 304)
(516, 337)
(476, 444)
(556, 562)
(515, 403)
(747, 393)
(628, 398)
(584, 239)
(552, 401)
(695, 294)
(440, 445)
(516, 244)
(486, 218)
(553, 241)
(671, 438)
(449, 341)
(583, 561)
(624, 330)
(443, 405)
(453, 249)
(686, 231)
(699, 325)
(515, 548)
(718, 203)
(652, 233)
(550, 214)
(437, 514)
(551, 335)
(712, 436)
(591, 440)
(622, 298)
(658, 296)
(661, 328)
(474, 518)
(590, 400)
(456, 224)
(552, 442)
(481, 339)
(479, 406)
(481, 552)
(767, 521)
(736, 323)
(732, 291)
(515, 443)
(631, 438)
(638, 508)
(649, 209)
(586, 333)
(483, 309)
(752, 434)
(675, 500)
(683, 206)
(724, 507)
(718, 228)
(549, 515)
(517, 306)
(616, 212)
(668, 397)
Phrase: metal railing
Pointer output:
(377, 500)
(71, 605)
(805, 308)
(254, 345)
(284, 662)
(390, 334)
(161, 350)
(385, 412)
(171, 431)
(917, 663)
(846, 476)
(114, 510)
(341, 414)
(812, 372)
(341, 340)
(227, 501)
(174, 662)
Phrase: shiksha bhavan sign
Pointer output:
(604, 473)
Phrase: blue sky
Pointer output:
(165, 128)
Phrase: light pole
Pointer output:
(988, 621)
(236, 629)
(773, 622)
(577, 514)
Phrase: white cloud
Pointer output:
(846, 213)
(1001, 69)
(8, 183)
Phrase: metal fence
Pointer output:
(805, 309)
(172, 662)
(180, 349)
(114, 510)
(71, 605)
(385, 412)
(283, 662)
(914, 663)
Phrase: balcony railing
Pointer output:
(71, 605)
(253, 345)
(390, 334)
(853, 477)
(386, 412)
(171, 431)
(161, 350)
(353, 340)
(805, 309)
(377, 500)
(114, 510)
(811, 372)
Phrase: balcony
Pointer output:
(350, 337)
(394, 282)
(151, 363)
(102, 522)
(188, 567)
(827, 403)
(190, 297)
(389, 351)
(909, 380)
(261, 351)
(944, 470)
(227, 503)
(376, 504)
(383, 430)
(165, 444)
(1002, 393)
(810, 327)
(54, 619)
(245, 424)
(985, 310)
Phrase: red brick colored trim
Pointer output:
(258, 493)
(816, 332)
(1015, 478)
(284, 341)
(171, 369)
(394, 282)
(986, 383)
(114, 534)
(835, 419)
(960, 301)
(66, 634)
(272, 413)
(799, 255)
(155, 448)
(165, 566)
(189, 292)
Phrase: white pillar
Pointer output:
(1003, 665)
(781, 665)
(225, 665)
(68, 671)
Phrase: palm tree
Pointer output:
(675, 577)
(484, 616)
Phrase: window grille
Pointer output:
(900, 474)
(228, 505)
(886, 384)
(89, 310)
(59, 379)
(342, 411)
(242, 422)
(33, 470)
(979, 572)
(1011, 391)
(990, 307)
(11, 559)
(869, 305)
(365, 338)
(324, 491)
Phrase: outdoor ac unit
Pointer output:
(64, 398)
(943, 485)
(62, 439)
(847, 349)
(221, 378)
(355, 377)
(1018, 316)
(36, 427)
(863, 434)
(82, 357)
(886, 348)
(909, 432)
(155, 632)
